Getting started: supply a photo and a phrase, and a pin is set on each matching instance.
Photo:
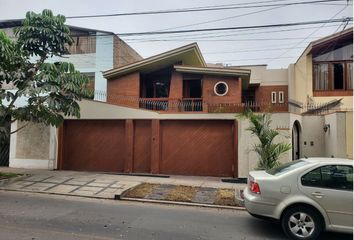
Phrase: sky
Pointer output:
(276, 47)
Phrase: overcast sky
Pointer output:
(237, 47)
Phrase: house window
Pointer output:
(281, 97)
(274, 97)
(333, 76)
(321, 76)
(338, 76)
(221, 88)
(350, 75)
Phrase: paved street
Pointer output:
(38, 216)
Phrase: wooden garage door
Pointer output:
(201, 148)
(93, 145)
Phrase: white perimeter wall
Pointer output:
(36, 145)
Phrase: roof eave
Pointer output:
(213, 71)
(154, 59)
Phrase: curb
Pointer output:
(53, 193)
(13, 179)
(190, 204)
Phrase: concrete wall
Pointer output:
(302, 81)
(349, 133)
(266, 77)
(34, 146)
(335, 137)
(313, 141)
(247, 158)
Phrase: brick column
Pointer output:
(176, 91)
(129, 146)
(235, 148)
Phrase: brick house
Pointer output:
(177, 115)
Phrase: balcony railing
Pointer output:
(156, 104)
(174, 105)
(192, 104)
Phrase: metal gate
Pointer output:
(5, 144)
(4, 153)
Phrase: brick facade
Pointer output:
(263, 97)
(123, 54)
(234, 90)
(124, 90)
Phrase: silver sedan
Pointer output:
(307, 196)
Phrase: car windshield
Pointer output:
(287, 167)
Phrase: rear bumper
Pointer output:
(255, 205)
(239, 198)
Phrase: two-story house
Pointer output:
(92, 52)
(173, 114)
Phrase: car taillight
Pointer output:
(254, 187)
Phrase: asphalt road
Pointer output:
(40, 216)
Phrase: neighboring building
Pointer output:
(321, 83)
(324, 72)
(92, 52)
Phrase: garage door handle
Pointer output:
(317, 194)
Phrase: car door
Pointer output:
(331, 186)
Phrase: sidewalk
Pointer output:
(102, 185)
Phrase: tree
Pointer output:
(49, 89)
(268, 151)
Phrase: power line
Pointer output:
(239, 33)
(199, 9)
(248, 50)
(216, 40)
(223, 19)
(307, 37)
(226, 28)
(250, 59)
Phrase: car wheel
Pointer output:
(301, 223)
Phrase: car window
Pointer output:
(287, 167)
(312, 178)
(331, 176)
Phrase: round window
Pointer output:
(221, 88)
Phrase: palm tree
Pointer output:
(268, 151)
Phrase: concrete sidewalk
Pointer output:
(97, 185)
